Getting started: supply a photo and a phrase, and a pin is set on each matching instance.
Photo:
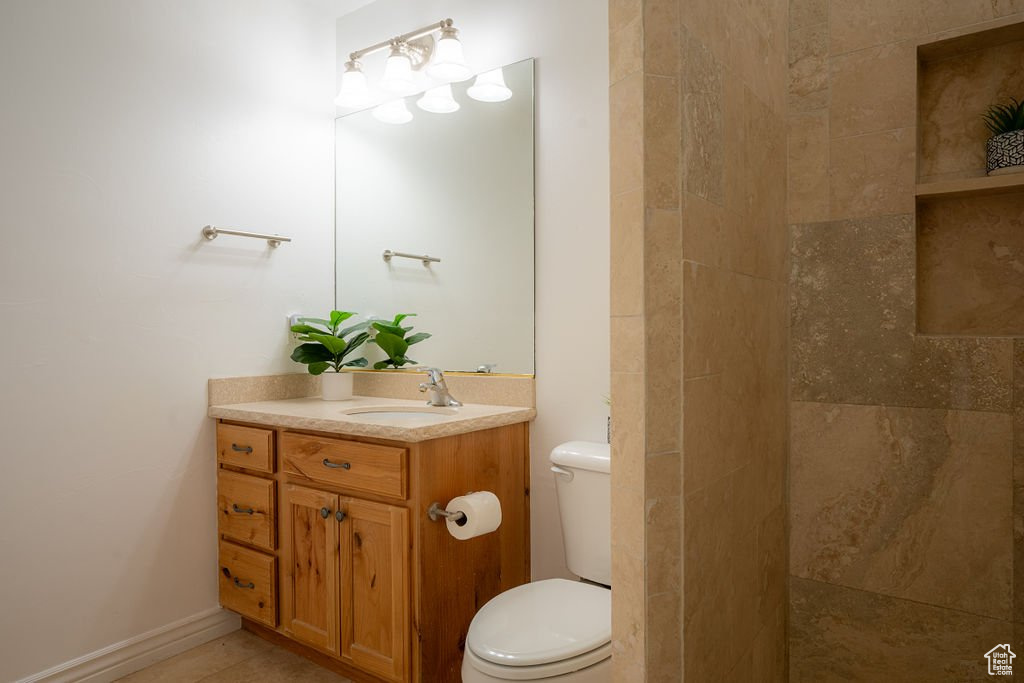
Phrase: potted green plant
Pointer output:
(392, 340)
(327, 349)
(1005, 149)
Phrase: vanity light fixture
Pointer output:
(438, 100)
(354, 90)
(490, 87)
(408, 54)
(393, 111)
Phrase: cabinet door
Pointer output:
(309, 540)
(375, 587)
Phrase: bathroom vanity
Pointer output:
(325, 544)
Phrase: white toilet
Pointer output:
(557, 631)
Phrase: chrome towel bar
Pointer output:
(210, 232)
(427, 260)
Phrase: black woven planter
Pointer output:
(1006, 153)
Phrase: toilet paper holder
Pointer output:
(436, 512)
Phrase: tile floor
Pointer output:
(238, 657)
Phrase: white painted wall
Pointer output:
(125, 126)
(569, 39)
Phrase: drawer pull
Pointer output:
(335, 465)
(242, 511)
(239, 584)
(325, 513)
(241, 449)
(340, 515)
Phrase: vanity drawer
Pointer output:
(248, 581)
(348, 464)
(246, 505)
(246, 447)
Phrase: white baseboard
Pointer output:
(120, 659)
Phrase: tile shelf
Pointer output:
(969, 187)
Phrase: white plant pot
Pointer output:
(336, 386)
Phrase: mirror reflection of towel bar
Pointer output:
(427, 260)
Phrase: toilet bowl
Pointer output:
(556, 630)
(553, 630)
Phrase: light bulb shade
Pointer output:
(394, 112)
(490, 87)
(398, 76)
(354, 90)
(448, 63)
(438, 100)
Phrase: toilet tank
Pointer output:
(582, 472)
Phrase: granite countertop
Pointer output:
(318, 415)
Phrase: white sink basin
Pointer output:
(401, 414)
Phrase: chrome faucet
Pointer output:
(438, 389)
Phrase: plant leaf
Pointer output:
(416, 338)
(305, 329)
(355, 342)
(357, 363)
(353, 328)
(311, 353)
(381, 364)
(334, 344)
(400, 317)
(394, 346)
(389, 329)
(318, 368)
(318, 321)
(338, 317)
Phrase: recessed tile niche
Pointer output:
(970, 227)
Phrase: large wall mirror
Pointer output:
(458, 187)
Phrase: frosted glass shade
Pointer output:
(398, 76)
(354, 90)
(438, 100)
(448, 63)
(490, 87)
(394, 111)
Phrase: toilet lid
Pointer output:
(542, 622)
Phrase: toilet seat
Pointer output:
(541, 629)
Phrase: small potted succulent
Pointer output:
(328, 347)
(392, 340)
(1005, 149)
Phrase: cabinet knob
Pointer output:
(336, 465)
(340, 515)
(325, 513)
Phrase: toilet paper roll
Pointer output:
(482, 511)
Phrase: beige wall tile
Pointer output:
(840, 634)
(970, 266)
(808, 185)
(626, 117)
(661, 142)
(663, 329)
(803, 13)
(661, 38)
(872, 175)
(852, 326)
(954, 93)
(628, 518)
(664, 626)
(625, 50)
(627, 343)
(621, 12)
(873, 89)
(907, 502)
(808, 68)
(1018, 480)
(627, 249)
(941, 15)
(702, 120)
(856, 24)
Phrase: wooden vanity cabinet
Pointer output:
(364, 582)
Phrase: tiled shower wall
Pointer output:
(905, 483)
(699, 320)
